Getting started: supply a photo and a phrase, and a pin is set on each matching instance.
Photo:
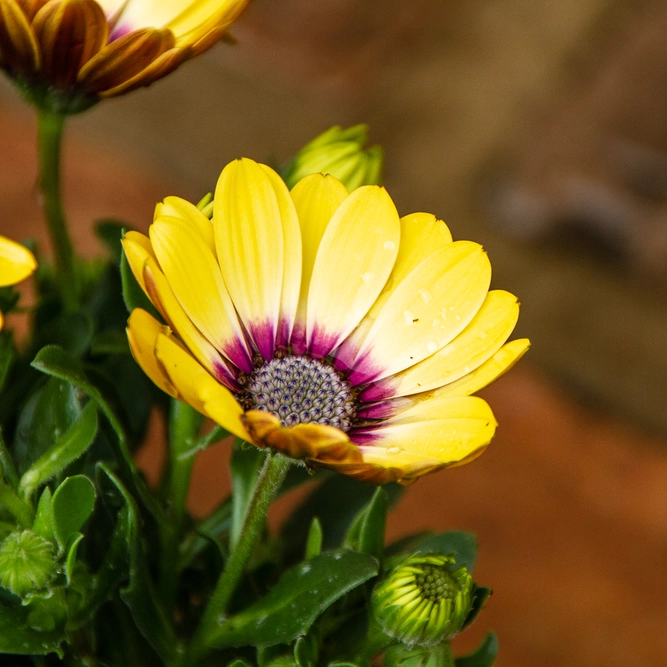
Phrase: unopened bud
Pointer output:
(27, 562)
(340, 153)
(425, 600)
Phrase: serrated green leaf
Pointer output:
(47, 415)
(71, 551)
(73, 503)
(368, 529)
(481, 595)
(336, 502)
(314, 542)
(300, 596)
(140, 595)
(18, 638)
(133, 295)
(43, 524)
(53, 360)
(69, 447)
(245, 467)
(484, 656)
(462, 545)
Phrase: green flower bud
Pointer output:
(340, 153)
(27, 562)
(425, 600)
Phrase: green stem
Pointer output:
(49, 138)
(184, 424)
(270, 479)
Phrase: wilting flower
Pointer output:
(342, 154)
(320, 325)
(425, 600)
(16, 264)
(107, 47)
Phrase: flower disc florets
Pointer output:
(425, 600)
(300, 390)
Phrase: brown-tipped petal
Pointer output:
(160, 67)
(124, 58)
(315, 442)
(31, 7)
(69, 33)
(18, 48)
(378, 475)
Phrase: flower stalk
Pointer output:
(270, 480)
(184, 424)
(50, 133)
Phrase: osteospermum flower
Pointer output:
(16, 264)
(319, 324)
(107, 47)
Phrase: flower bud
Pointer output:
(27, 562)
(425, 600)
(340, 153)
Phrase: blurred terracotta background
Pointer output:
(535, 128)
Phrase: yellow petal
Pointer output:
(292, 244)
(354, 260)
(316, 199)
(175, 207)
(142, 332)
(162, 294)
(477, 343)
(448, 430)
(189, 21)
(422, 234)
(16, 262)
(198, 388)
(430, 307)
(499, 363)
(250, 242)
(19, 50)
(137, 248)
(194, 276)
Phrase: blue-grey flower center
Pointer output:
(299, 390)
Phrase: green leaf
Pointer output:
(305, 651)
(18, 638)
(462, 545)
(43, 524)
(110, 232)
(336, 502)
(7, 467)
(7, 355)
(47, 415)
(74, 442)
(481, 595)
(71, 551)
(133, 295)
(368, 529)
(21, 510)
(110, 341)
(314, 542)
(245, 467)
(484, 656)
(300, 596)
(73, 503)
(140, 595)
(400, 655)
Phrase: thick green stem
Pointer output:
(184, 424)
(49, 137)
(269, 482)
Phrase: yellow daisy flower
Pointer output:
(107, 47)
(16, 264)
(320, 324)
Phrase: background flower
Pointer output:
(321, 325)
(16, 264)
(108, 47)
